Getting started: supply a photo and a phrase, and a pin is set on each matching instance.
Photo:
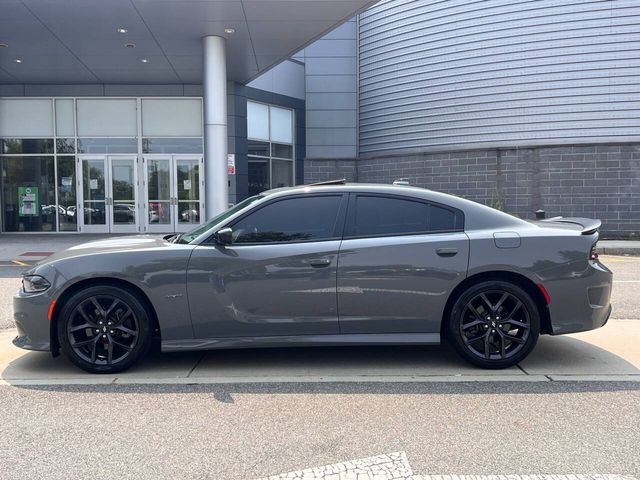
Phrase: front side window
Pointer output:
(376, 215)
(290, 220)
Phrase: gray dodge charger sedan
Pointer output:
(324, 264)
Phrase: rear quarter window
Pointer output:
(380, 215)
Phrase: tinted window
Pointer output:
(290, 220)
(442, 219)
(395, 216)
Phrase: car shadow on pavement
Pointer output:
(371, 369)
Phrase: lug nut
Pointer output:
(111, 332)
(104, 336)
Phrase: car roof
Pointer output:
(478, 216)
(336, 186)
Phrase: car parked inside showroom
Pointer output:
(324, 264)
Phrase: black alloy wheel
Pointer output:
(104, 329)
(494, 324)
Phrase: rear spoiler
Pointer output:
(589, 225)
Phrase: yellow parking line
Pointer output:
(19, 263)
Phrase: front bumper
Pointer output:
(30, 316)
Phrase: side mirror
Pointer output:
(224, 236)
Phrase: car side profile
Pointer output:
(324, 264)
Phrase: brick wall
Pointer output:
(599, 181)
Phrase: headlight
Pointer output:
(34, 284)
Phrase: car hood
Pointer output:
(109, 245)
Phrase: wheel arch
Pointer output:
(506, 276)
(94, 282)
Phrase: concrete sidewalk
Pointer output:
(610, 353)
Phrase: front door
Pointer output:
(108, 201)
(277, 278)
(174, 193)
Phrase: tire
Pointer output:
(104, 329)
(493, 324)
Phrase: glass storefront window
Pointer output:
(260, 149)
(281, 151)
(54, 152)
(67, 220)
(259, 176)
(172, 145)
(281, 173)
(28, 194)
(281, 125)
(258, 121)
(65, 145)
(16, 146)
(107, 145)
(269, 147)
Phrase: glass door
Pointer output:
(109, 187)
(93, 205)
(188, 196)
(159, 205)
(121, 201)
(174, 194)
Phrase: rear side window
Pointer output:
(290, 220)
(376, 215)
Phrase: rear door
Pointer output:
(278, 277)
(399, 260)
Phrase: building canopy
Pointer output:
(155, 41)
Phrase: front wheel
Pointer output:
(493, 324)
(104, 329)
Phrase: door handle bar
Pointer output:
(319, 262)
(446, 252)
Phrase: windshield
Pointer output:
(196, 232)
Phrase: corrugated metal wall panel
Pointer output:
(452, 74)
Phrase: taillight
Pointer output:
(593, 254)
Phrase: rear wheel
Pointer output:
(494, 324)
(104, 329)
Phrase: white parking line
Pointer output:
(396, 466)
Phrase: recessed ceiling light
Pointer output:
(130, 45)
(18, 60)
(229, 30)
(144, 60)
(3, 45)
(122, 30)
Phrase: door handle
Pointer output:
(319, 262)
(446, 252)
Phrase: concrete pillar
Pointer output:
(215, 125)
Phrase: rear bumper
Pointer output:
(582, 303)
